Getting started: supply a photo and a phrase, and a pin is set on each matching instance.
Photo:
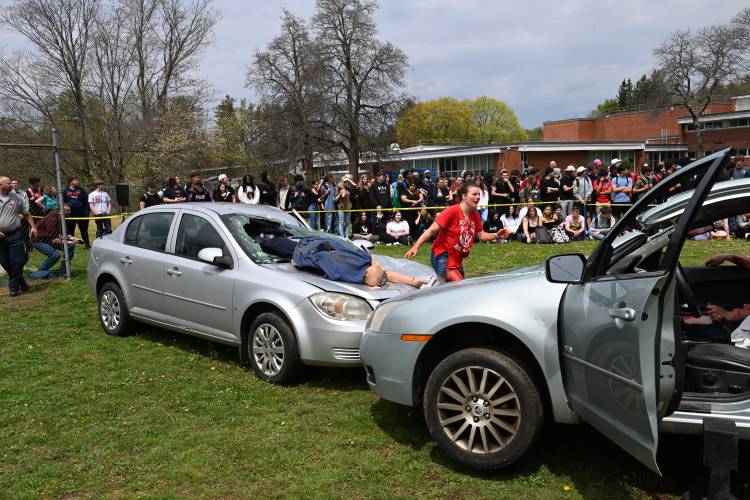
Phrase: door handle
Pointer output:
(624, 313)
(174, 272)
(126, 260)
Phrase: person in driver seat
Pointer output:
(715, 314)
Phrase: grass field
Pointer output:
(165, 415)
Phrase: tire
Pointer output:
(113, 311)
(273, 350)
(492, 433)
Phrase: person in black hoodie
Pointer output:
(300, 197)
(77, 199)
(380, 192)
(267, 190)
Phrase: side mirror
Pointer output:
(566, 268)
(216, 257)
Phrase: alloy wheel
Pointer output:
(109, 308)
(478, 410)
(268, 349)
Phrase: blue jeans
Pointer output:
(439, 264)
(344, 224)
(49, 251)
(13, 257)
(329, 220)
(53, 255)
(314, 216)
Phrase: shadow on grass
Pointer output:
(594, 464)
(341, 379)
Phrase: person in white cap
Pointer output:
(566, 190)
(613, 166)
(226, 193)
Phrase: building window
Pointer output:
(706, 126)
(741, 122)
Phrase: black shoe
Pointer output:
(24, 286)
(14, 293)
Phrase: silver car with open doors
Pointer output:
(597, 338)
(199, 269)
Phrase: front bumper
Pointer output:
(389, 365)
(326, 342)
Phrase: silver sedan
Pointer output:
(596, 338)
(199, 269)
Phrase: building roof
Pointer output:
(715, 117)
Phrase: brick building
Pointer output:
(641, 136)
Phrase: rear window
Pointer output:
(149, 231)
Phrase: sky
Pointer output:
(548, 60)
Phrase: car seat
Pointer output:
(718, 368)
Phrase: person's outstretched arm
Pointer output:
(737, 260)
(430, 233)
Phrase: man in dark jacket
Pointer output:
(267, 190)
(77, 199)
(300, 197)
(380, 192)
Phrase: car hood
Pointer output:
(521, 273)
(391, 290)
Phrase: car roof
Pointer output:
(266, 211)
(725, 198)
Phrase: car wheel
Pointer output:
(482, 408)
(113, 311)
(273, 350)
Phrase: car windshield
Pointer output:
(249, 231)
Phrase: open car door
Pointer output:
(620, 351)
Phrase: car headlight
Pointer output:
(376, 321)
(340, 306)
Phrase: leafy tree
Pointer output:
(448, 120)
(493, 121)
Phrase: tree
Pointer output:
(448, 120)
(494, 121)
(60, 31)
(112, 80)
(695, 64)
(625, 94)
(287, 76)
(362, 77)
(444, 120)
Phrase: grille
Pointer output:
(346, 354)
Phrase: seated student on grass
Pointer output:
(337, 260)
(575, 224)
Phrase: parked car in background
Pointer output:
(199, 269)
(597, 338)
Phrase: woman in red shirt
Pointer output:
(455, 229)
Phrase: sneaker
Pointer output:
(24, 286)
(389, 244)
(14, 293)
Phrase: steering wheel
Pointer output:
(686, 293)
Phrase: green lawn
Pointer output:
(166, 415)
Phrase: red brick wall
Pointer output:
(509, 159)
(541, 159)
(714, 140)
(636, 126)
(570, 130)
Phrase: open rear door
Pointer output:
(612, 324)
